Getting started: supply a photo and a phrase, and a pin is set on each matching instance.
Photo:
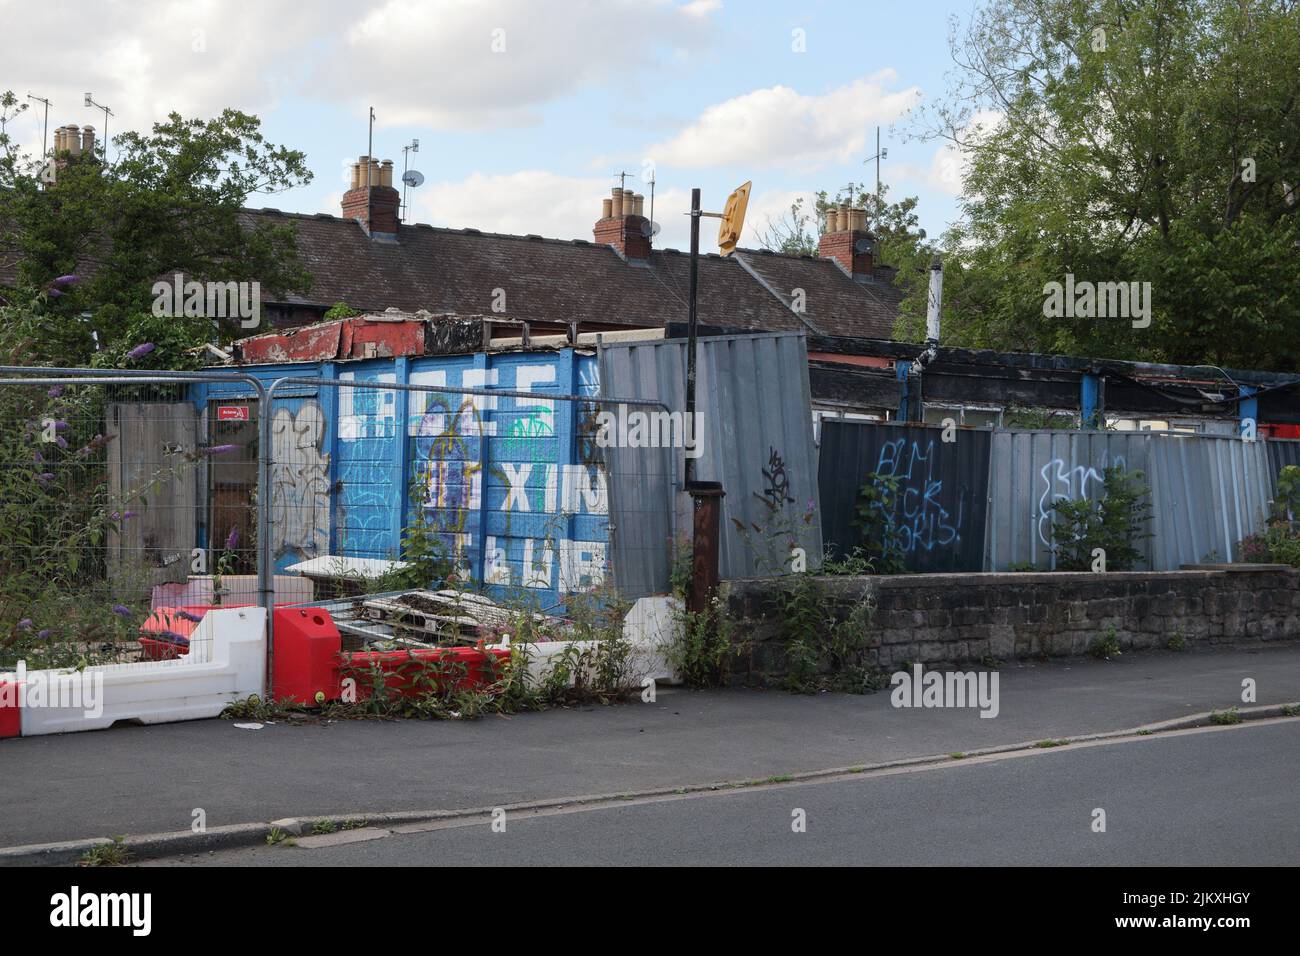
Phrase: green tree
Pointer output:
(1128, 141)
(172, 201)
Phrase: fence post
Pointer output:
(706, 498)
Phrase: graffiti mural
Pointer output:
(922, 518)
(940, 490)
(299, 483)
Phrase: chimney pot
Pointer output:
(386, 174)
(832, 220)
(638, 205)
(88, 139)
(622, 226)
(72, 139)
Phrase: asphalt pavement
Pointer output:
(133, 780)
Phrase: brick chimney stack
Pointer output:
(372, 200)
(623, 224)
(847, 240)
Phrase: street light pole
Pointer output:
(691, 322)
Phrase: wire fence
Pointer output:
(111, 552)
(135, 502)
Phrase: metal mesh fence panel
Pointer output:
(128, 512)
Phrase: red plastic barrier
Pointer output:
(418, 671)
(11, 717)
(309, 661)
(306, 661)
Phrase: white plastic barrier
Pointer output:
(226, 661)
(648, 629)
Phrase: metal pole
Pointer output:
(877, 163)
(692, 322)
(370, 164)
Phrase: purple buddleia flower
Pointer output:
(45, 478)
(187, 616)
(55, 293)
(173, 637)
(65, 280)
(232, 539)
(44, 634)
(61, 441)
(55, 392)
(217, 449)
(141, 350)
(121, 611)
(25, 624)
(61, 426)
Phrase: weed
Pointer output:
(276, 836)
(1105, 646)
(324, 826)
(1225, 717)
(1045, 744)
(1178, 642)
(957, 755)
(107, 854)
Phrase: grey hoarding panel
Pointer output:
(1281, 452)
(1207, 493)
(1031, 470)
(1210, 493)
(940, 499)
(756, 439)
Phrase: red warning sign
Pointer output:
(232, 413)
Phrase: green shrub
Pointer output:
(1114, 523)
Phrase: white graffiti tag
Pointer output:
(1067, 484)
(299, 483)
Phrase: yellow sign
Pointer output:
(733, 219)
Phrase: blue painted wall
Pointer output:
(514, 486)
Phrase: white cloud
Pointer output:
(781, 127)
(948, 165)
(528, 201)
(771, 207)
(144, 60)
(454, 63)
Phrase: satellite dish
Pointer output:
(862, 245)
(649, 229)
(413, 177)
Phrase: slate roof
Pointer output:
(553, 280)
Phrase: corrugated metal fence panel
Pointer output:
(939, 501)
(756, 439)
(1282, 452)
(1209, 493)
(1031, 470)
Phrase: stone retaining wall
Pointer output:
(953, 618)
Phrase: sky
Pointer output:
(525, 110)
